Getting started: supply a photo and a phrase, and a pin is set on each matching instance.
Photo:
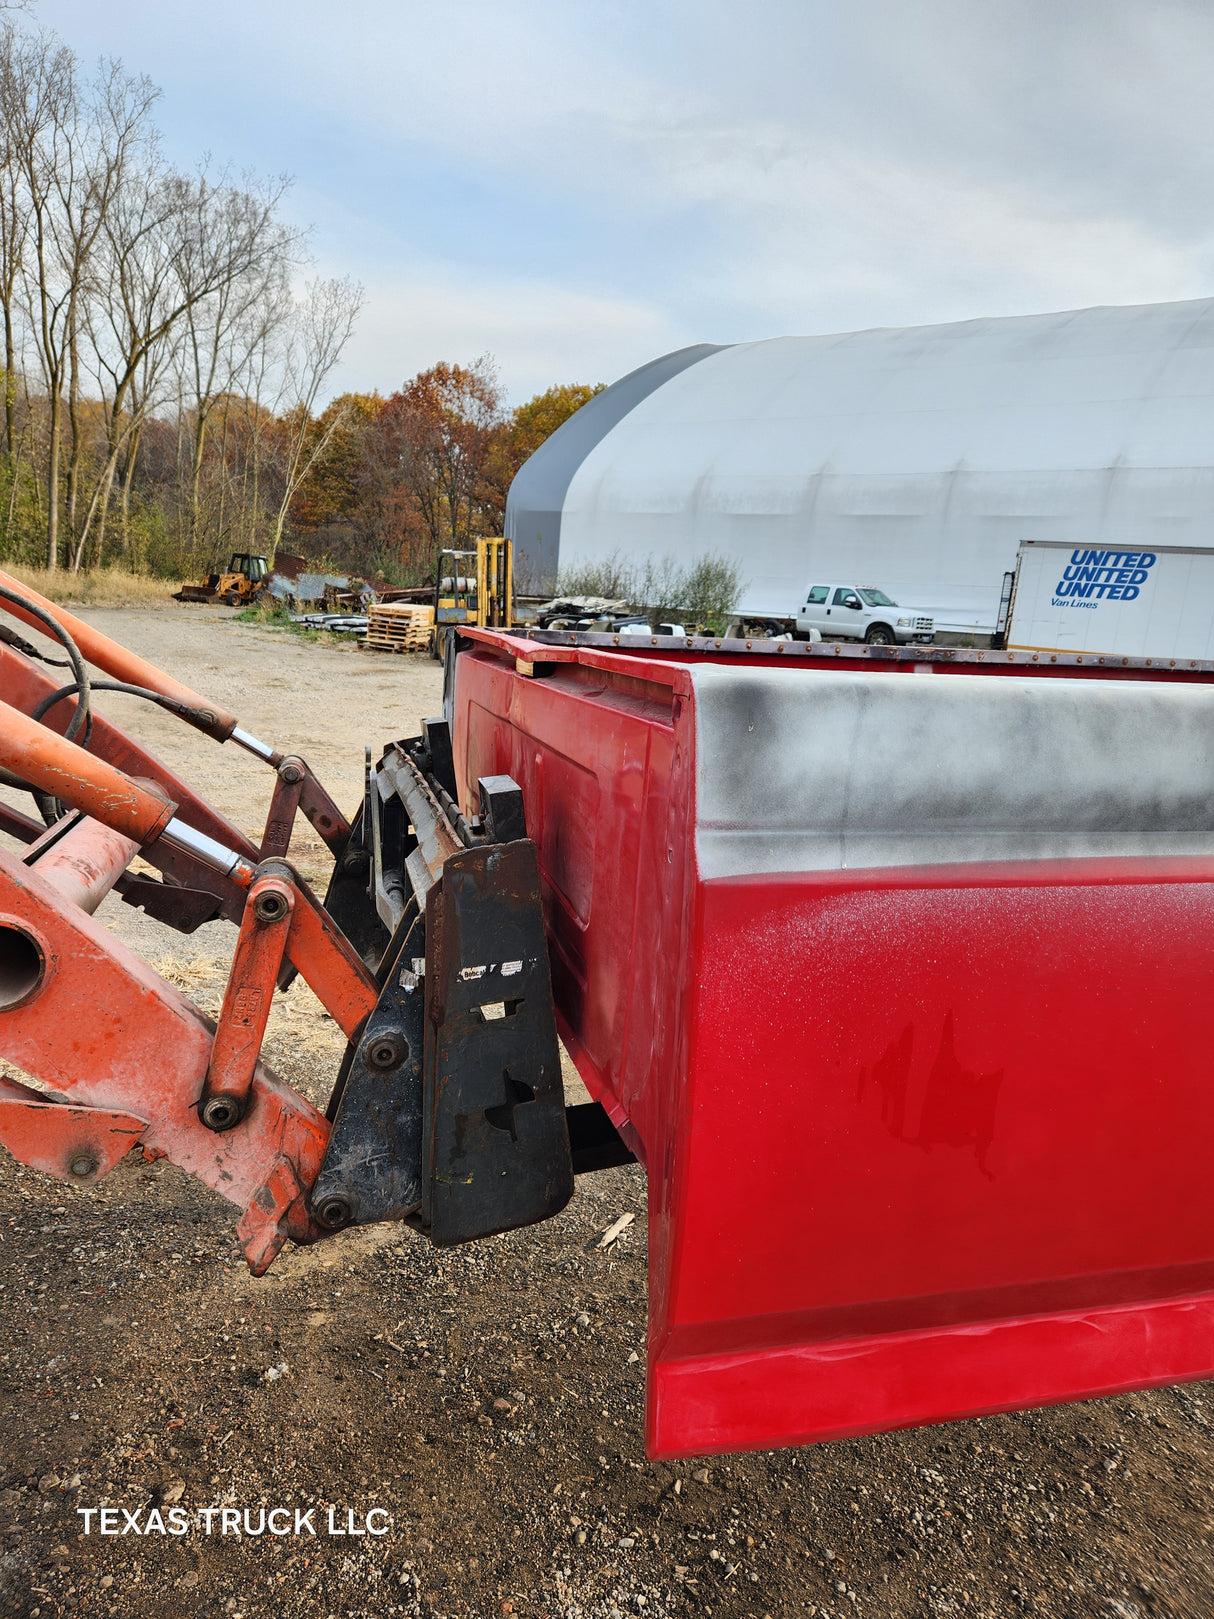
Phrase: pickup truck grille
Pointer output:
(925, 623)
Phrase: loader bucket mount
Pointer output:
(449, 1110)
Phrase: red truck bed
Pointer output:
(900, 989)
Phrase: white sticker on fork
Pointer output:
(507, 969)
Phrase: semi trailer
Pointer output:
(1152, 602)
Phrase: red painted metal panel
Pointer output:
(85, 863)
(922, 1142)
(97, 1026)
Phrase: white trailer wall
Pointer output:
(1145, 604)
(916, 460)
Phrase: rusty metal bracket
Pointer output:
(276, 1213)
(246, 1002)
(280, 820)
(372, 1165)
(322, 812)
(75, 1144)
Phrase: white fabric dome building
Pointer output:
(914, 460)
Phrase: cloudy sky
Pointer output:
(578, 185)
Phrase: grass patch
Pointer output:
(104, 587)
(188, 972)
(275, 618)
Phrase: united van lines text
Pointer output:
(1104, 576)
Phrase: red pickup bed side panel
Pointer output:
(923, 1141)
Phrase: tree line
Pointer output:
(397, 478)
(166, 355)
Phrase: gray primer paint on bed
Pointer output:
(537, 495)
(801, 770)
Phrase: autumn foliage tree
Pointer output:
(329, 498)
(426, 468)
(540, 417)
(427, 456)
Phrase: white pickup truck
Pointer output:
(862, 613)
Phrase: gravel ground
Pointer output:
(482, 1407)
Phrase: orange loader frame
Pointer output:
(126, 1059)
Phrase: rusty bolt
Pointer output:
(334, 1212)
(82, 1166)
(290, 771)
(385, 1051)
(222, 1113)
(270, 906)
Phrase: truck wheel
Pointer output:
(879, 635)
(233, 598)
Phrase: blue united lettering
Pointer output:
(1105, 575)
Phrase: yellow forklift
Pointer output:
(484, 599)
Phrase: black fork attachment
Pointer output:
(449, 1109)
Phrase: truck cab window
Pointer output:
(817, 595)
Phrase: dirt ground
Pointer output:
(482, 1407)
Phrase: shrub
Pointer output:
(702, 595)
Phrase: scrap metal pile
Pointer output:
(897, 987)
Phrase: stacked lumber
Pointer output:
(399, 627)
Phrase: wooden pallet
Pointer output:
(399, 627)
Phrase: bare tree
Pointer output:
(72, 155)
(37, 89)
(146, 309)
(321, 326)
(14, 229)
(171, 245)
(231, 332)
